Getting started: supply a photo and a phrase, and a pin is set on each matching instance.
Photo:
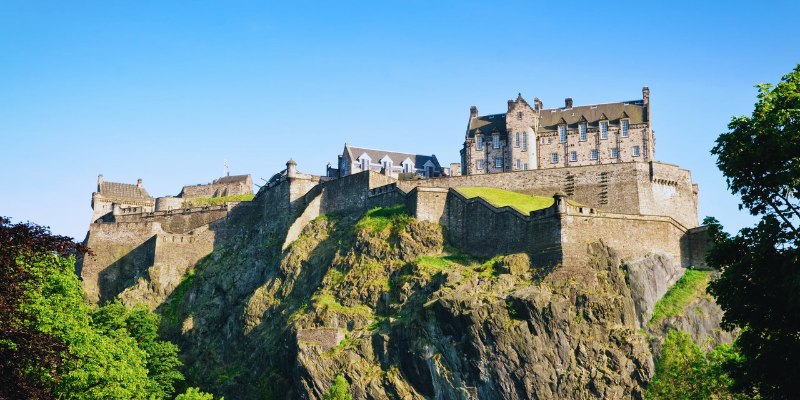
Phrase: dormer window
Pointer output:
(364, 164)
(582, 130)
(562, 133)
(625, 124)
(496, 141)
(516, 139)
(479, 142)
(604, 130)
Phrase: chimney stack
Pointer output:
(646, 95)
(537, 104)
(99, 182)
(510, 104)
(568, 102)
(139, 183)
(473, 112)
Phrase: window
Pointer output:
(554, 158)
(480, 164)
(498, 162)
(624, 128)
(525, 166)
(549, 140)
(407, 167)
(496, 141)
(516, 139)
(604, 130)
(582, 129)
(524, 141)
(594, 154)
(636, 152)
(364, 164)
(614, 152)
(562, 133)
(517, 164)
(573, 156)
(519, 115)
(479, 142)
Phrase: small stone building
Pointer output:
(119, 197)
(390, 163)
(532, 137)
(226, 186)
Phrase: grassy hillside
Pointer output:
(692, 284)
(500, 198)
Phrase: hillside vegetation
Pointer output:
(501, 198)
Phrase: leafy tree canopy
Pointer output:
(339, 390)
(759, 288)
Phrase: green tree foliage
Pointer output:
(339, 390)
(759, 288)
(195, 394)
(53, 345)
(686, 372)
(29, 358)
(141, 324)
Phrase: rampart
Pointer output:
(626, 188)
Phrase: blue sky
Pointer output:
(166, 91)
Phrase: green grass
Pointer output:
(329, 302)
(691, 285)
(501, 198)
(215, 201)
(171, 311)
(379, 218)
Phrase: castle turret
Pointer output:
(291, 168)
(99, 182)
(139, 183)
(646, 95)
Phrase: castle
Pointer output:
(532, 137)
(624, 198)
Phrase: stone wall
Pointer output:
(179, 221)
(218, 188)
(696, 243)
(428, 204)
(626, 188)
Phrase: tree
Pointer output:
(686, 372)
(339, 390)
(759, 288)
(29, 358)
(193, 393)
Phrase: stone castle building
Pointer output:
(530, 137)
(115, 197)
(390, 163)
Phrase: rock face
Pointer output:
(383, 301)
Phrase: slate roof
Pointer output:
(123, 190)
(634, 110)
(551, 117)
(376, 155)
(232, 179)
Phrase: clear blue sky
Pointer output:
(166, 91)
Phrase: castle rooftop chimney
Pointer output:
(510, 104)
(473, 112)
(139, 183)
(537, 104)
(99, 182)
(568, 102)
(646, 95)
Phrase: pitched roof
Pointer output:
(376, 155)
(487, 124)
(551, 117)
(123, 190)
(232, 179)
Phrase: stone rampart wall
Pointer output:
(696, 243)
(179, 221)
(624, 188)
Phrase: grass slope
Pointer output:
(215, 201)
(692, 284)
(500, 198)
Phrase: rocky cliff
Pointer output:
(381, 299)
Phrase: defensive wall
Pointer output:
(133, 244)
(628, 188)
